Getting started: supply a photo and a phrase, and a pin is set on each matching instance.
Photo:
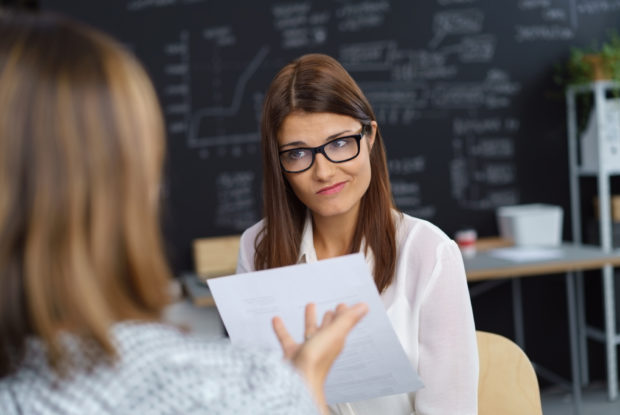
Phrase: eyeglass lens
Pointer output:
(337, 151)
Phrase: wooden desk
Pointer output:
(484, 266)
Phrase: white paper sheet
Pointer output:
(373, 362)
(526, 254)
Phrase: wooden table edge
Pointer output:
(538, 269)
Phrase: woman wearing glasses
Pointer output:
(327, 193)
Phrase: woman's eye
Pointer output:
(340, 143)
(296, 154)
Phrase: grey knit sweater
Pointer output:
(161, 370)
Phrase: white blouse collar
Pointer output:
(307, 253)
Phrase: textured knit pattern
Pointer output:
(161, 370)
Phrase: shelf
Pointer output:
(602, 172)
(589, 87)
(588, 172)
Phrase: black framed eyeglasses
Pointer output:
(338, 150)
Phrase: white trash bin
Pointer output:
(534, 224)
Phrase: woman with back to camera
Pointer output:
(327, 193)
(82, 270)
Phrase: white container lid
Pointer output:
(528, 209)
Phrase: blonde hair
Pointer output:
(81, 150)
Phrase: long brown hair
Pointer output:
(318, 83)
(81, 149)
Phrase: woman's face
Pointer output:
(328, 189)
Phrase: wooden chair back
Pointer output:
(507, 383)
(217, 256)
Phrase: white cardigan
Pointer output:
(429, 306)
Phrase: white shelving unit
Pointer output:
(603, 170)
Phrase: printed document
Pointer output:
(373, 362)
(527, 254)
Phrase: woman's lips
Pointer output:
(330, 190)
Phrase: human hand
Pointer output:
(314, 357)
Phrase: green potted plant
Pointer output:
(594, 63)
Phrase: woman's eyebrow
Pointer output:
(338, 134)
(294, 143)
(303, 143)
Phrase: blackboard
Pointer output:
(462, 90)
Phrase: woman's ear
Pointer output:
(372, 134)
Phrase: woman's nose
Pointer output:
(323, 168)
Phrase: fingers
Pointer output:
(335, 324)
(328, 317)
(347, 317)
(310, 321)
(287, 343)
(315, 356)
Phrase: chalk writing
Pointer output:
(479, 48)
(221, 35)
(235, 200)
(491, 147)
(177, 88)
(299, 25)
(534, 4)
(556, 23)
(597, 6)
(139, 5)
(483, 172)
(451, 2)
(406, 165)
(456, 22)
(540, 32)
(354, 17)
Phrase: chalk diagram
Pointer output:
(193, 123)
(204, 115)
